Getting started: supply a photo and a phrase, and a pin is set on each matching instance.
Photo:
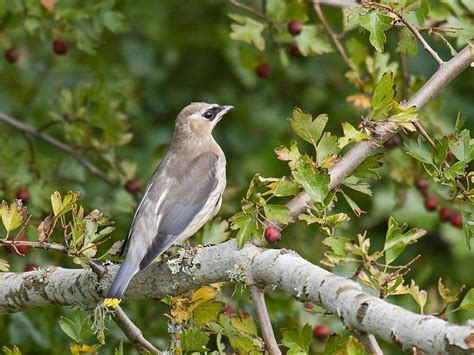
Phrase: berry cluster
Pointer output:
(295, 27)
(431, 204)
(60, 47)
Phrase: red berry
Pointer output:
(23, 194)
(264, 70)
(421, 184)
(133, 186)
(308, 306)
(321, 332)
(431, 203)
(449, 155)
(445, 214)
(11, 55)
(295, 27)
(456, 220)
(294, 50)
(392, 142)
(60, 47)
(272, 234)
(31, 267)
(228, 310)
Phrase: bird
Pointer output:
(184, 193)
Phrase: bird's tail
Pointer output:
(122, 279)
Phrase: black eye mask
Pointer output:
(212, 112)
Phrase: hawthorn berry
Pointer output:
(60, 47)
(449, 155)
(295, 27)
(132, 186)
(294, 50)
(228, 310)
(264, 70)
(11, 55)
(445, 214)
(321, 332)
(392, 142)
(31, 267)
(421, 184)
(456, 220)
(23, 194)
(272, 234)
(431, 203)
(308, 306)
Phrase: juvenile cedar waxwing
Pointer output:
(184, 193)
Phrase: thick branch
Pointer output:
(57, 143)
(283, 269)
(258, 298)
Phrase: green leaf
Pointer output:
(119, 350)
(247, 226)
(13, 351)
(396, 239)
(277, 213)
(291, 154)
(326, 149)
(307, 128)
(355, 208)
(78, 329)
(337, 244)
(463, 147)
(194, 339)
(467, 303)
(285, 187)
(207, 312)
(383, 95)
(215, 232)
(315, 183)
(366, 170)
(420, 296)
(407, 43)
(455, 170)
(114, 21)
(247, 30)
(312, 40)
(420, 151)
(351, 135)
(376, 23)
(297, 341)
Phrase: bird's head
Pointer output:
(199, 118)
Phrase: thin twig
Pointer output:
(35, 245)
(132, 332)
(404, 71)
(333, 35)
(250, 9)
(412, 28)
(258, 298)
(55, 142)
(370, 343)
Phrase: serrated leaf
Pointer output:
(376, 23)
(383, 95)
(326, 150)
(247, 227)
(62, 206)
(351, 135)
(396, 239)
(420, 296)
(307, 128)
(463, 147)
(297, 341)
(207, 312)
(366, 170)
(315, 183)
(215, 232)
(78, 329)
(284, 187)
(420, 151)
(14, 215)
(277, 213)
(337, 244)
(291, 154)
(247, 30)
(455, 170)
(467, 303)
(407, 43)
(313, 40)
(445, 293)
(194, 339)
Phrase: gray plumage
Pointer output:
(183, 194)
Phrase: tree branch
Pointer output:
(280, 268)
(258, 299)
(55, 142)
(370, 343)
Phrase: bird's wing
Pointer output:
(170, 207)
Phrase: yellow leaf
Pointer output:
(13, 216)
(204, 294)
(358, 100)
(77, 349)
(56, 202)
(182, 309)
(62, 206)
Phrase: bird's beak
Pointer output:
(226, 108)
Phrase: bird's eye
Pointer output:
(208, 114)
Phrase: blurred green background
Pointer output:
(173, 53)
